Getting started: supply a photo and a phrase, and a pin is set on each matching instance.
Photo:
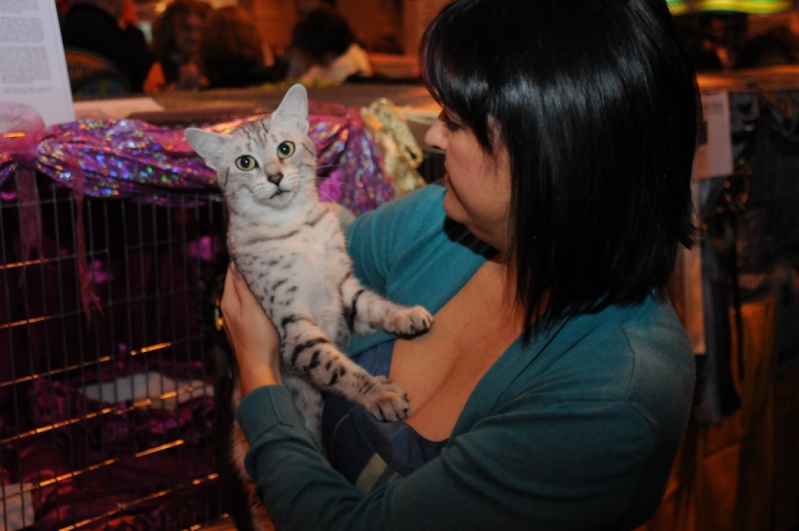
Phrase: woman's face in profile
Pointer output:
(478, 185)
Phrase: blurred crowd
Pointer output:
(725, 41)
(194, 46)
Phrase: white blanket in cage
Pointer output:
(16, 506)
(163, 392)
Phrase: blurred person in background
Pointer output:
(99, 27)
(176, 43)
(773, 48)
(325, 44)
(232, 51)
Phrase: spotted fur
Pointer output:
(289, 247)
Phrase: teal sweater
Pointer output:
(578, 430)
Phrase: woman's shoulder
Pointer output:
(638, 356)
(647, 338)
(421, 208)
(664, 370)
(624, 353)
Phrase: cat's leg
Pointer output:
(308, 400)
(365, 310)
(368, 311)
(307, 353)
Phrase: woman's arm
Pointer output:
(250, 333)
(531, 465)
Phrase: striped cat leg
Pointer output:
(308, 400)
(308, 353)
(367, 312)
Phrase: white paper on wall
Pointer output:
(714, 153)
(33, 69)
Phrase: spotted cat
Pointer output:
(289, 247)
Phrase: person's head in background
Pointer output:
(772, 48)
(115, 8)
(597, 110)
(303, 7)
(232, 50)
(321, 36)
(177, 31)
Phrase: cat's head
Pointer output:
(269, 162)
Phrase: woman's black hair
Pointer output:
(597, 104)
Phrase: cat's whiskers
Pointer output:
(319, 179)
(326, 167)
(325, 192)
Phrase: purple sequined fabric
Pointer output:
(133, 159)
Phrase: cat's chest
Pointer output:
(306, 249)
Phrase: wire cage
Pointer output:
(106, 363)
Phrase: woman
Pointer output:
(323, 49)
(176, 43)
(555, 384)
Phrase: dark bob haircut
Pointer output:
(597, 104)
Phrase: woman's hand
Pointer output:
(250, 333)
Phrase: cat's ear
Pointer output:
(294, 108)
(210, 146)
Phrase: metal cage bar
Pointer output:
(106, 410)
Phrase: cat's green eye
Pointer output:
(246, 163)
(285, 150)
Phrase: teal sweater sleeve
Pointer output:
(576, 430)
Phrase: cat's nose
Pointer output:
(274, 178)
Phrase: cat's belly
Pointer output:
(287, 282)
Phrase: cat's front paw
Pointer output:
(411, 321)
(386, 401)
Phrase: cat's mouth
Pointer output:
(281, 196)
(274, 196)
